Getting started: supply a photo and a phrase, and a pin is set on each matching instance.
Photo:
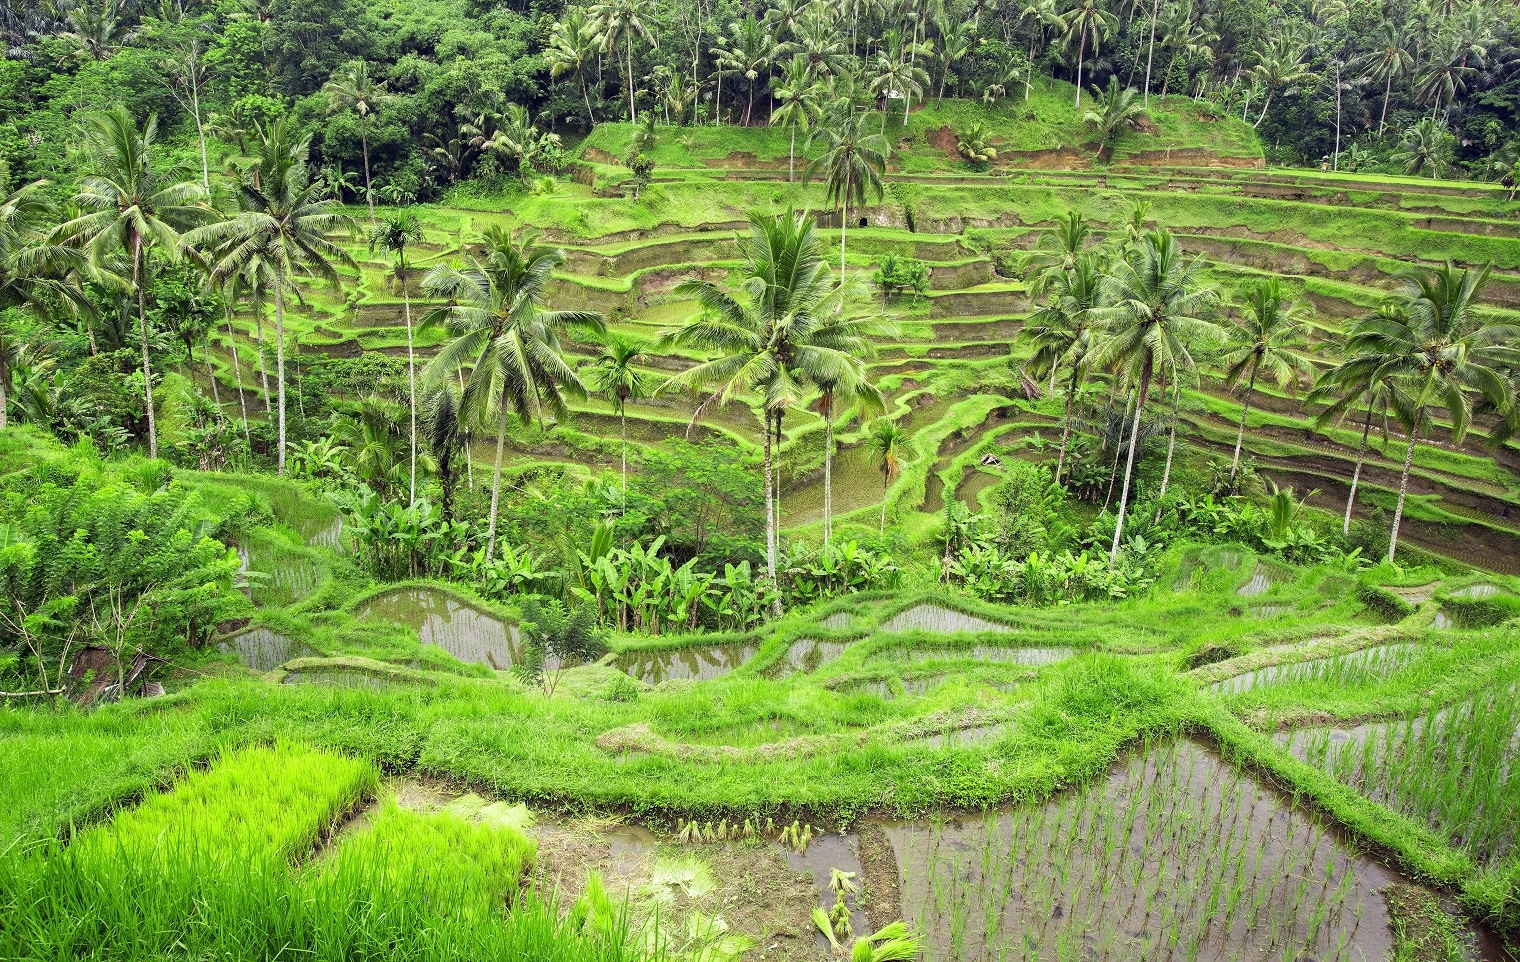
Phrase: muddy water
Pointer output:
(264, 650)
(940, 619)
(959, 737)
(912, 687)
(699, 663)
(1369, 664)
(1476, 591)
(441, 619)
(839, 619)
(805, 655)
(1452, 769)
(1175, 856)
(1261, 580)
(823, 855)
(1002, 654)
(1441, 621)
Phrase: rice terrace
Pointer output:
(636, 481)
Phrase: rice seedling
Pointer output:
(1354, 668)
(1456, 769)
(1176, 856)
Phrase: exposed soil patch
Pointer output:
(944, 139)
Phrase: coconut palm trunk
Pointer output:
(1081, 54)
(1356, 474)
(1150, 55)
(623, 430)
(369, 193)
(770, 506)
(1129, 462)
(142, 321)
(828, 467)
(633, 116)
(216, 395)
(1113, 473)
(1398, 512)
(1171, 444)
(501, 444)
(1240, 434)
(411, 371)
(886, 486)
(258, 323)
(1071, 394)
(844, 222)
(279, 369)
(237, 370)
(1387, 93)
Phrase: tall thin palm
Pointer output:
(1265, 340)
(1154, 311)
(1344, 387)
(129, 206)
(615, 375)
(1279, 67)
(282, 233)
(395, 235)
(31, 269)
(1057, 253)
(502, 331)
(445, 436)
(847, 381)
(787, 328)
(853, 162)
(885, 444)
(1435, 351)
(1388, 61)
(1087, 22)
(623, 20)
(797, 93)
(353, 87)
(1062, 334)
(573, 46)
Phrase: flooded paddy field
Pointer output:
(1369, 664)
(696, 663)
(441, 619)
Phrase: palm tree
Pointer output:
(282, 232)
(1426, 144)
(1154, 308)
(797, 92)
(1087, 20)
(573, 46)
(853, 161)
(848, 380)
(394, 235)
(885, 443)
(1343, 387)
(1449, 69)
(129, 206)
(502, 331)
(1057, 252)
(1111, 110)
(622, 19)
(1279, 67)
(445, 437)
(787, 328)
(1062, 333)
(956, 40)
(816, 40)
(895, 73)
(1435, 351)
(352, 87)
(616, 376)
(31, 268)
(750, 51)
(1265, 339)
(1390, 60)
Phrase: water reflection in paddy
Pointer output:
(698, 663)
(441, 619)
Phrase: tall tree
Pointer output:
(1062, 334)
(352, 87)
(1265, 339)
(623, 20)
(848, 381)
(852, 162)
(797, 93)
(394, 236)
(130, 206)
(503, 333)
(574, 43)
(445, 435)
(1280, 66)
(1087, 22)
(31, 269)
(282, 232)
(886, 443)
(1155, 310)
(1111, 110)
(616, 376)
(1436, 351)
(787, 328)
(1388, 61)
(1344, 387)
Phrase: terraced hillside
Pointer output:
(1338, 241)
